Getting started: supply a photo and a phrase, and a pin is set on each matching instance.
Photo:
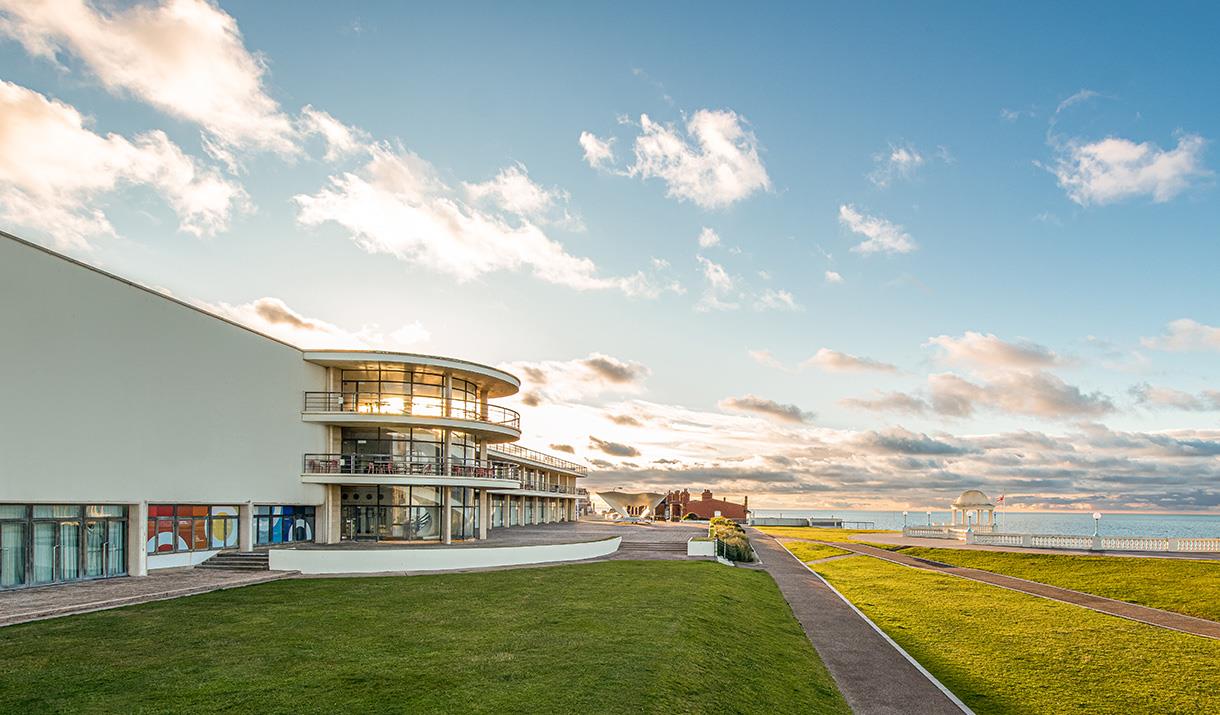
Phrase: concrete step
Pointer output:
(238, 561)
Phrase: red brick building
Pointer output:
(679, 504)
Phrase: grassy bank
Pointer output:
(807, 552)
(820, 534)
(1006, 652)
(1190, 587)
(620, 636)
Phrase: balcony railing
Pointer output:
(552, 488)
(407, 465)
(531, 454)
(372, 403)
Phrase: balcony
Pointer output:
(541, 458)
(549, 488)
(380, 408)
(406, 466)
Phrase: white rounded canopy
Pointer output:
(972, 499)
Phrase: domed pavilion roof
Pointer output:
(972, 499)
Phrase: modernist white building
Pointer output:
(140, 432)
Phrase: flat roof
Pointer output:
(497, 382)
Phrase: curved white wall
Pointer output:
(433, 558)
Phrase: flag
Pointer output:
(1000, 500)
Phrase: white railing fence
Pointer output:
(1066, 541)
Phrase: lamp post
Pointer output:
(929, 518)
(1096, 523)
(904, 520)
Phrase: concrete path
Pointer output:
(35, 604)
(1122, 609)
(874, 676)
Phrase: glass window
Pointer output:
(284, 524)
(13, 511)
(12, 554)
(425, 496)
(56, 511)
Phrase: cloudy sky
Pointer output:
(827, 256)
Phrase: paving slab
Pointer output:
(42, 602)
(874, 675)
(1122, 609)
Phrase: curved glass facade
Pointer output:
(401, 384)
(419, 444)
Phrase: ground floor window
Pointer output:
(391, 513)
(174, 528)
(53, 543)
(497, 512)
(284, 524)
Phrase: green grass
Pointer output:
(1007, 652)
(1190, 587)
(620, 636)
(821, 534)
(807, 552)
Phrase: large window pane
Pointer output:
(12, 511)
(12, 554)
(116, 555)
(56, 511)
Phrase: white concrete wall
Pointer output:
(115, 394)
(432, 558)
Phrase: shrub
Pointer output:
(736, 545)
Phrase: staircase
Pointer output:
(658, 548)
(238, 561)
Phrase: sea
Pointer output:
(1026, 522)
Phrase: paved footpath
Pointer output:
(1122, 609)
(874, 677)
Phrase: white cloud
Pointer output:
(1167, 397)
(888, 402)
(708, 238)
(341, 140)
(767, 408)
(1184, 335)
(397, 205)
(55, 172)
(599, 153)
(561, 381)
(880, 235)
(776, 299)
(272, 316)
(719, 285)
(513, 191)
(900, 162)
(1035, 394)
(1114, 169)
(184, 57)
(715, 164)
(833, 277)
(765, 358)
(1083, 95)
(989, 352)
(835, 361)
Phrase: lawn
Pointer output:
(623, 636)
(1190, 587)
(1007, 652)
(806, 551)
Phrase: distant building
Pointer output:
(679, 504)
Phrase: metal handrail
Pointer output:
(553, 488)
(409, 465)
(543, 457)
(376, 403)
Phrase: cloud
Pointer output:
(715, 164)
(614, 449)
(765, 358)
(1167, 397)
(1083, 95)
(566, 448)
(578, 379)
(708, 238)
(888, 402)
(902, 441)
(513, 191)
(341, 140)
(397, 205)
(184, 57)
(832, 277)
(1185, 335)
(775, 299)
(1114, 169)
(835, 361)
(880, 235)
(719, 285)
(990, 352)
(599, 153)
(272, 316)
(55, 172)
(1035, 394)
(766, 408)
(900, 162)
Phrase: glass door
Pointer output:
(116, 547)
(69, 550)
(44, 551)
(12, 554)
(95, 548)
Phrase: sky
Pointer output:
(831, 256)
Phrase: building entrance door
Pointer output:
(359, 523)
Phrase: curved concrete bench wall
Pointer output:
(432, 558)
